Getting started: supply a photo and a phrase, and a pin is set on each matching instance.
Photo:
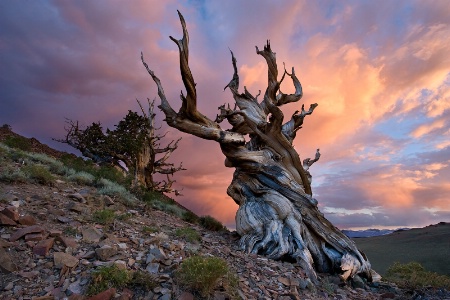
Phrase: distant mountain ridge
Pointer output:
(369, 232)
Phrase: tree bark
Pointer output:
(277, 215)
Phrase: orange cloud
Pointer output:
(427, 128)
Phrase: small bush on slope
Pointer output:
(210, 223)
(105, 216)
(107, 277)
(201, 274)
(110, 188)
(413, 275)
(189, 234)
(18, 142)
(39, 174)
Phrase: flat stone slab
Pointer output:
(91, 235)
(64, 259)
(43, 247)
(23, 231)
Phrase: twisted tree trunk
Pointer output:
(277, 214)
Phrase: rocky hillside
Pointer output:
(67, 235)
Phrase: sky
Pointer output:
(379, 70)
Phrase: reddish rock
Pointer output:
(11, 212)
(34, 237)
(126, 294)
(29, 275)
(75, 296)
(105, 252)
(56, 212)
(23, 231)
(55, 232)
(7, 264)
(105, 295)
(4, 220)
(4, 244)
(67, 241)
(186, 296)
(43, 247)
(27, 220)
(64, 259)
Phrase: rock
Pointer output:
(43, 247)
(27, 220)
(11, 212)
(186, 296)
(7, 264)
(131, 261)
(121, 264)
(91, 235)
(4, 244)
(76, 207)
(55, 232)
(155, 254)
(152, 268)
(23, 231)
(56, 212)
(220, 295)
(284, 280)
(75, 287)
(105, 295)
(29, 275)
(89, 254)
(122, 246)
(78, 197)
(67, 241)
(107, 200)
(165, 297)
(387, 296)
(4, 220)
(105, 252)
(34, 237)
(9, 197)
(127, 294)
(63, 219)
(63, 259)
(9, 286)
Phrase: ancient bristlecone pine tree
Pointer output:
(277, 215)
(132, 147)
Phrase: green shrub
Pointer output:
(190, 217)
(54, 165)
(144, 280)
(107, 277)
(70, 231)
(104, 216)
(18, 142)
(210, 223)
(39, 174)
(112, 174)
(151, 197)
(413, 275)
(82, 178)
(189, 234)
(110, 188)
(18, 155)
(12, 174)
(124, 216)
(201, 274)
(149, 229)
